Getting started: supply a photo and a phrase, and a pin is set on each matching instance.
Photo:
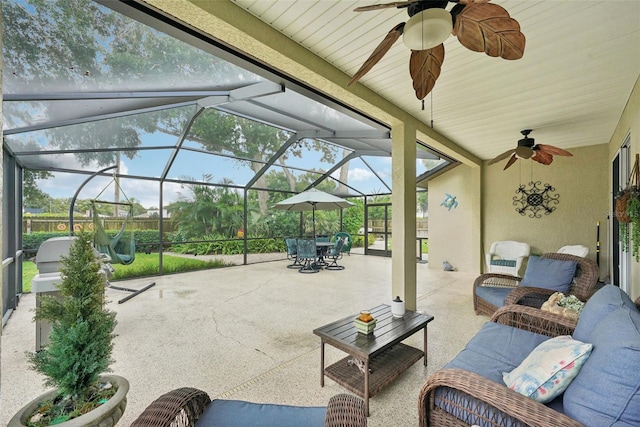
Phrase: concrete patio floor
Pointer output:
(245, 332)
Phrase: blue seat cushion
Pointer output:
(496, 349)
(504, 262)
(554, 274)
(493, 350)
(494, 295)
(606, 392)
(606, 300)
(238, 413)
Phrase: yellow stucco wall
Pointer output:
(453, 233)
(629, 124)
(581, 184)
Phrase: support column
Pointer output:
(403, 223)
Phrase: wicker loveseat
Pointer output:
(187, 407)
(471, 390)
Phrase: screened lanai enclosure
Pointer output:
(171, 117)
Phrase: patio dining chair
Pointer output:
(292, 252)
(348, 241)
(334, 255)
(307, 255)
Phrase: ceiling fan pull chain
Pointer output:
(431, 98)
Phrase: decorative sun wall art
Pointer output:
(534, 199)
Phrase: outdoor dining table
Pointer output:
(321, 248)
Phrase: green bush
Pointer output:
(358, 241)
(82, 329)
(31, 242)
(146, 240)
(230, 247)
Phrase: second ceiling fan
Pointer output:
(479, 26)
(528, 149)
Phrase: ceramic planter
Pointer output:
(107, 415)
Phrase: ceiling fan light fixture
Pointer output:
(427, 29)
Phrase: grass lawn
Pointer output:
(144, 265)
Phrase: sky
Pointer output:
(188, 164)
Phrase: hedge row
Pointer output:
(147, 241)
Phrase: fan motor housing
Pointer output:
(419, 6)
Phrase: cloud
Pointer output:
(145, 192)
(359, 174)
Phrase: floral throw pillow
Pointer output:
(548, 370)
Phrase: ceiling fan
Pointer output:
(479, 26)
(528, 149)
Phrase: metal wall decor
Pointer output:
(449, 201)
(533, 199)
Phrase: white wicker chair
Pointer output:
(577, 250)
(506, 257)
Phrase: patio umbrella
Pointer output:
(312, 200)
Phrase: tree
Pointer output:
(206, 210)
(80, 45)
(32, 195)
(422, 199)
(82, 335)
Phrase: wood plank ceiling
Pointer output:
(581, 61)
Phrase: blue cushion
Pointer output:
(238, 413)
(554, 274)
(496, 349)
(493, 294)
(606, 300)
(504, 262)
(606, 392)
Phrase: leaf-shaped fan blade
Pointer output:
(378, 52)
(511, 161)
(488, 28)
(555, 151)
(502, 156)
(424, 67)
(524, 152)
(383, 6)
(542, 157)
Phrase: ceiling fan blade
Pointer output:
(524, 152)
(488, 28)
(511, 161)
(378, 52)
(383, 6)
(553, 150)
(424, 67)
(542, 157)
(502, 156)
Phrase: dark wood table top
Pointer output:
(389, 331)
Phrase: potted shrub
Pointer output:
(79, 349)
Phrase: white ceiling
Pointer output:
(581, 61)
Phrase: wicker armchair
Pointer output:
(184, 406)
(585, 283)
(508, 406)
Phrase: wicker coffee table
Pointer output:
(376, 359)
